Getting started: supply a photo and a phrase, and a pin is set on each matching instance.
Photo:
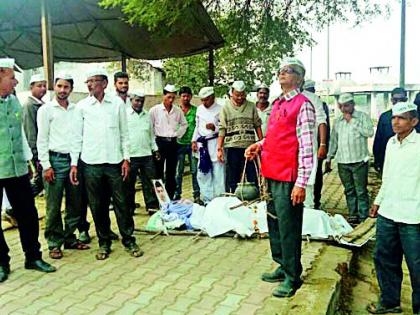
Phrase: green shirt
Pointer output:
(12, 158)
(190, 117)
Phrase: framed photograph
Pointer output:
(161, 193)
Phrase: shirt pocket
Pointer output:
(112, 120)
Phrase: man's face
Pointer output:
(161, 193)
(96, 85)
(238, 97)
(346, 107)
(403, 123)
(185, 99)
(398, 98)
(169, 98)
(38, 89)
(8, 81)
(263, 95)
(208, 101)
(121, 86)
(62, 89)
(288, 76)
(137, 103)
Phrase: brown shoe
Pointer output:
(56, 253)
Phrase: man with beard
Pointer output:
(169, 125)
(263, 106)
(38, 87)
(101, 140)
(14, 159)
(121, 85)
(184, 146)
(55, 120)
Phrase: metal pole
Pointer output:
(211, 67)
(47, 45)
(123, 63)
(402, 45)
(311, 60)
(328, 51)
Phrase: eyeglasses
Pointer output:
(93, 81)
(288, 70)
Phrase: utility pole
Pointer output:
(402, 45)
(328, 51)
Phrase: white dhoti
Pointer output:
(212, 184)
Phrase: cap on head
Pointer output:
(402, 107)
(137, 94)
(308, 84)
(263, 86)
(8, 63)
(170, 88)
(37, 78)
(206, 92)
(345, 98)
(239, 86)
(295, 63)
(97, 72)
(64, 76)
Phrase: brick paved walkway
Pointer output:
(177, 275)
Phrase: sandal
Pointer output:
(377, 308)
(56, 253)
(102, 254)
(77, 245)
(134, 250)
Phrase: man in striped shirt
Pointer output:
(349, 146)
(287, 162)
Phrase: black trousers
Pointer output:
(83, 225)
(145, 167)
(285, 230)
(235, 161)
(319, 182)
(19, 193)
(166, 166)
(97, 177)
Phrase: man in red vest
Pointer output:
(287, 161)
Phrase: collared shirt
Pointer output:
(399, 196)
(348, 142)
(264, 115)
(100, 131)
(168, 124)
(190, 118)
(29, 114)
(140, 132)
(14, 149)
(55, 124)
(305, 128)
(127, 101)
(206, 116)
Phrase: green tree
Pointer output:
(257, 33)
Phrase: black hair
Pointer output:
(413, 114)
(185, 89)
(71, 81)
(158, 184)
(120, 74)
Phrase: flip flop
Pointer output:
(102, 254)
(377, 308)
(56, 253)
(77, 245)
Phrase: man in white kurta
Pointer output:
(397, 206)
(211, 172)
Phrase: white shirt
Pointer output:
(399, 196)
(168, 124)
(100, 131)
(321, 117)
(203, 117)
(55, 124)
(140, 132)
(127, 101)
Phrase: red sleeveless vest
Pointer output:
(279, 157)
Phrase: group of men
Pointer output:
(100, 145)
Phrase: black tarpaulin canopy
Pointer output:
(81, 31)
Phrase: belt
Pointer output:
(58, 154)
(167, 139)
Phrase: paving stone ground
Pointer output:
(177, 274)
